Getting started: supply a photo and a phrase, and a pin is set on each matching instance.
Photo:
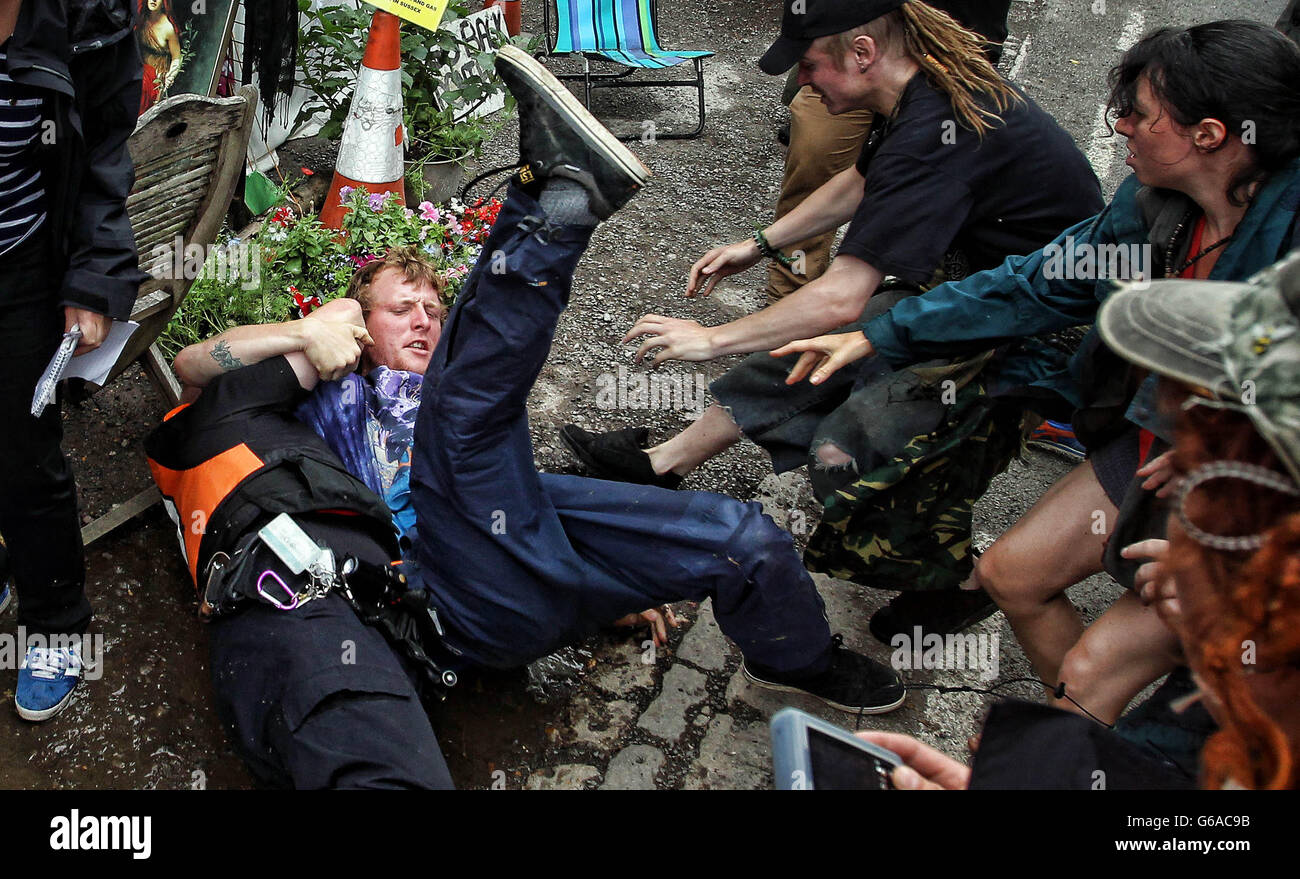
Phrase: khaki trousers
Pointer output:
(821, 146)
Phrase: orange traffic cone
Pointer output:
(371, 153)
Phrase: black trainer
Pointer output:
(617, 455)
(559, 138)
(939, 612)
(853, 683)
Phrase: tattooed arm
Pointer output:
(331, 340)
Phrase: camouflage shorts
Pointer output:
(906, 523)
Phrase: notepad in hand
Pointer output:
(54, 371)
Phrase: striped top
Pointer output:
(22, 194)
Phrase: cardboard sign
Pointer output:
(477, 30)
(425, 13)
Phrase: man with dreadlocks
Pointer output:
(960, 171)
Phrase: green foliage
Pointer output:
(301, 264)
(309, 256)
(434, 93)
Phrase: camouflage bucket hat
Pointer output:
(1238, 341)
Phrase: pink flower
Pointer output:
(429, 212)
(409, 213)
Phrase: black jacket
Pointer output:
(82, 54)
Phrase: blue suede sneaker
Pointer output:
(46, 680)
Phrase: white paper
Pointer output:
(94, 366)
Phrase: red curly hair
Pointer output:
(1253, 597)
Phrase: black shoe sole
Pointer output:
(848, 709)
(878, 631)
(596, 136)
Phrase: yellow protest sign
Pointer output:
(425, 13)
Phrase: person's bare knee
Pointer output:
(1081, 668)
(1049, 549)
(1126, 649)
(1000, 573)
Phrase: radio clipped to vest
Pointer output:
(380, 595)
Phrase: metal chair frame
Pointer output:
(592, 80)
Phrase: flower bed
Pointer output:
(295, 264)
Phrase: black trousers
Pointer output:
(314, 698)
(38, 498)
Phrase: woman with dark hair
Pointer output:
(1212, 118)
(160, 49)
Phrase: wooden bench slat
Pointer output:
(149, 231)
(181, 184)
(179, 165)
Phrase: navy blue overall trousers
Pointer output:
(522, 563)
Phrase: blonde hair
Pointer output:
(409, 262)
(952, 58)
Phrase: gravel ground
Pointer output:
(604, 713)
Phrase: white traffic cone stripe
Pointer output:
(371, 150)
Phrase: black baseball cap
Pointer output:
(805, 20)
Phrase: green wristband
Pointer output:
(769, 251)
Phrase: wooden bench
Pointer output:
(188, 152)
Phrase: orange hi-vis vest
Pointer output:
(223, 469)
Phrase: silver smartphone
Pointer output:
(811, 754)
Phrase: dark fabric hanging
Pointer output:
(271, 48)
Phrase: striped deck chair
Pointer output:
(622, 32)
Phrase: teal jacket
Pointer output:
(1032, 295)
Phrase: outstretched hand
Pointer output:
(679, 338)
(1153, 581)
(824, 355)
(720, 262)
(1159, 473)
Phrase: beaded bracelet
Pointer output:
(769, 251)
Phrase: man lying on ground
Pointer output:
(517, 564)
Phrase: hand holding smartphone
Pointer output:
(811, 754)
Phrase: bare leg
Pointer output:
(1127, 648)
(712, 433)
(1053, 546)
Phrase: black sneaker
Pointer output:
(939, 612)
(559, 138)
(853, 683)
(617, 454)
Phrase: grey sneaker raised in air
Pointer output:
(559, 138)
